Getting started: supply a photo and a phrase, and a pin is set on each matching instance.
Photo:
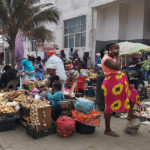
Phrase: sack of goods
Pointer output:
(72, 75)
(133, 126)
(65, 126)
(84, 105)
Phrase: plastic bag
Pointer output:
(84, 105)
(65, 126)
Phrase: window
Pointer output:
(75, 32)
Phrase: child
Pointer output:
(56, 97)
(51, 70)
(134, 100)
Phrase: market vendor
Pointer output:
(60, 71)
(8, 75)
(56, 96)
(115, 86)
(51, 70)
(28, 68)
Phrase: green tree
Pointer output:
(27, 16)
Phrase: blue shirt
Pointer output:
(98, 60)
(28, 66)
(39, 75)
(56, 98)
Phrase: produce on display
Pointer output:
(6, 107)
(35, 83)
(40, 115)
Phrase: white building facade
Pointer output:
(90, 25)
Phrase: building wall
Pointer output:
(146, 33)
(107, 21)
(127, 21)
(135, 21)
(70, 9)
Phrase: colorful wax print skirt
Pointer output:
(134, 96)
(116, 93)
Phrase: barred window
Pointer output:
(75, 32)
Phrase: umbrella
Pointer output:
(131, 48)
(19, 52)
(136, 55)
(19, 49)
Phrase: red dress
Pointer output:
(81, 83)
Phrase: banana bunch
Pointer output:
(93, 76)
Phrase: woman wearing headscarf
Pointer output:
(60, 70)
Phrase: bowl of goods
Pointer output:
(64, 104)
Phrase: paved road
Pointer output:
(18, 140)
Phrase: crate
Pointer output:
(24, 121)
(6, 125)
(25, 111)
(39, 134)
(9, 116)
(47, 119)
(84, 129)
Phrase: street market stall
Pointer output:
(136, 65)
(34, 112)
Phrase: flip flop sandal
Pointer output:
(112, 133)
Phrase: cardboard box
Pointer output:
(47, 119)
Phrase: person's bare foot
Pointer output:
(111, 133)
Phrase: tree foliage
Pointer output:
(27, 16)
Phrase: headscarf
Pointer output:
(98, 54)
(51, 52)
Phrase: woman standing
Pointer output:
(63, 56)
(28, 68)
(115, 86)
(86, 58)
(98, 62)
(39, 69)
(71, 52)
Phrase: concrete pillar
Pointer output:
(91, 34)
